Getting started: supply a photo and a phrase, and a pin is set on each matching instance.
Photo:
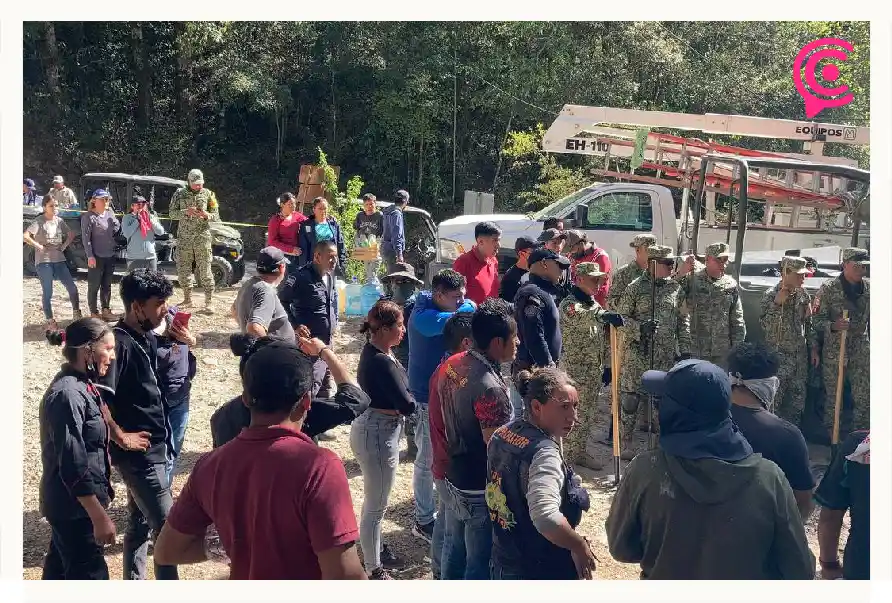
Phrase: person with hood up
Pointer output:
(704, 506)
(393, 237)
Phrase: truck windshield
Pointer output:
(560, 205)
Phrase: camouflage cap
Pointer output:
(574, 237)
(643, 240)
(857, 255)
(589, 269)
(660, 252)
(718, 250)
(794, 264)
(196, 177)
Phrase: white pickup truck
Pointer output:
(611, 214)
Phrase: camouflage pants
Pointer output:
(630, 405)
(793, 375)
(591, 418)
(858, 378)
(198, 252)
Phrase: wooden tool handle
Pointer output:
(840, 375)
(614, 389)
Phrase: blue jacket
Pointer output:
(307, 239)
(393, 240)
(308, 302)
(426, 346)
(139, 247)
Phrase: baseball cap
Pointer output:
(269, 259)
(698, 385)
(574, 237)
(402, 270)
(643, 240)
(857, 255)
(660, 252)
(100, 193)
(58, 180)
(196, 177)
(794, 264)
(523, 243)
(277, 376)
(30, 184)
(550, 235)
(589, 269)
(542, 254)
(718, 250)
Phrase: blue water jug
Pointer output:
(371, 293)
(354, 299)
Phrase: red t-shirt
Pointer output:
(276, 499)
(437, 427)
(600, 257)
(283, 232)
(482, 275)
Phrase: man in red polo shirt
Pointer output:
(480, 265)
(280, 503)
(580, 250)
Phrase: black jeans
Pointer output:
(74, 553)
(148, 502)
(99, 281)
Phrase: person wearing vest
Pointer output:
(535, 501)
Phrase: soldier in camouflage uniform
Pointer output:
(851, 291)
(712, 301)
(582, 322)
(195, 207)
(787, 323)
(669, 334)
(621, 277)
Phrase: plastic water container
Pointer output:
(353, 298)
(371, 293)
(341, 288)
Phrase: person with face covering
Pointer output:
(322, 226)
(704, 506)
(75, 484)
(98, 228)
(754, 386)
(141, 227)
(137, 404)
(535, 500)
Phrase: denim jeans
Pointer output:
(99, 280)
(178, 416)
(148, 503)
(516, 403)
(47, 272)
(375, 440)
(467, 543)
(73, 553)
(151, 264)
(439, 531)
(423, 477)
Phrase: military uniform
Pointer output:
(788, 329)
(64, 196)
(194, 236)
(832, 298)
(715, 311)
(670, 340)
(621, 277)
(582, 322)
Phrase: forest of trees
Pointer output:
(435, 108)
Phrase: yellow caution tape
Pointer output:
(121, 214)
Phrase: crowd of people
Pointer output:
(502, 380)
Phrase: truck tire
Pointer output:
(238, 272)
(222, 271)
(28, 267)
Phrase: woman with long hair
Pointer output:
(50, 236)
(375, 435)
(75, 486)
(322, 226)
(283, 230)
(98, 228)
(535, 500)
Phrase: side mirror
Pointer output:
(581, 217)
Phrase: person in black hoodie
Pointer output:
(75, 486)
(369, 226)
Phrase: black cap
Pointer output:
(700, 385)
(137, 199)
(523, 243)
(276, 376)
(551, 234)
(542, 254)
(269, 259)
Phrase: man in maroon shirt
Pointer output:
(580, 250)
(457, 339)
(280, 503)
(480, 265)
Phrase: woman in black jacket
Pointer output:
(321, 226)
(75, 488)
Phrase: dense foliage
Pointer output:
(249, 102)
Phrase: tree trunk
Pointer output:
(143, 76)
(183, 70)
(50, 60)
(420, 161)
(334, 111)
(495, 179)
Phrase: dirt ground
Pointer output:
(216, 382)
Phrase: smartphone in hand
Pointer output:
(182, 319)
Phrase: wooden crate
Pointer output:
(365, 254)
